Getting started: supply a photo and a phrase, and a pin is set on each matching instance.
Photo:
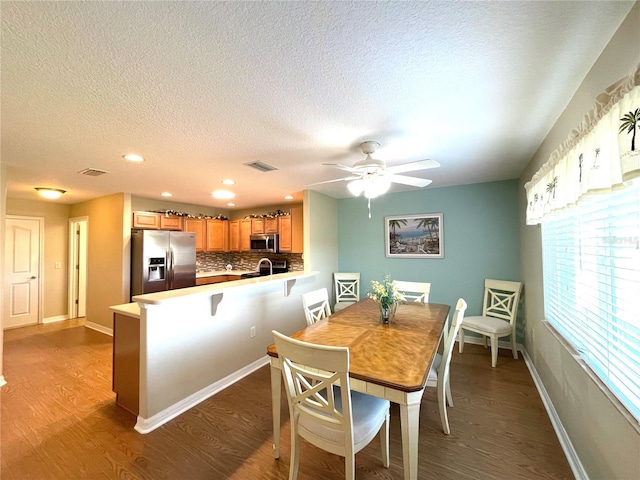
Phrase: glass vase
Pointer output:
(387, 313)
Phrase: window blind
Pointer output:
(591, 272)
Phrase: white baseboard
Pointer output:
(57, 318)
(99, 328)
(3, 382)
(565, 442)
(146, 425)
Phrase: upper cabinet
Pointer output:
(257, 226)
(290, 228)
(271, 225)
(146, 220)
(199, 227)
(153, 220)
(245, 234)
(217, 236)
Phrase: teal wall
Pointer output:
(481, 239)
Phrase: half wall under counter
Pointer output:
(194, 342)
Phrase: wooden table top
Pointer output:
(397, 355)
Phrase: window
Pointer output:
(591, 256)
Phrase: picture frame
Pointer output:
(414, 236)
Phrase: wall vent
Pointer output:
(92, 172)
(263, 167)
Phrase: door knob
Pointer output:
(33, 277)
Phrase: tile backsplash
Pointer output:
(208, 261)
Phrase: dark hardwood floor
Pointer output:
(60, 421)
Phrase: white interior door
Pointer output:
(78, 267)
(22, 271)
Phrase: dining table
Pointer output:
(390, 361)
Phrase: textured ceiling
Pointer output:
(199, 89)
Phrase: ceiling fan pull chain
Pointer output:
(369, 205)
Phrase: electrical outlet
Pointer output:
(58, 265)
(253, 332)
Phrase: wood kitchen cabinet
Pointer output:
(170, 222)
(217, 279)
(234, 235)
(257, 226)
(150, 220)
(290, 229)
(271, 225)
(217, 236)
(245, 235)
(199, 227)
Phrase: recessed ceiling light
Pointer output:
(166, 194)
(228, 181)
(50, 193)
(132, 157)
(288, 197)
(223, 194)
(231, 204)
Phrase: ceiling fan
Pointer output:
(373, 178)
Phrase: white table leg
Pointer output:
(410, 425)
(276, 384)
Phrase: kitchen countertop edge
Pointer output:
(167, 296)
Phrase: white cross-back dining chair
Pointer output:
(414, 291)
(322, 408)
(316, 305)
(498, 319)
(347, 289)
(439, 371)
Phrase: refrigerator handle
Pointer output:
(170, 273)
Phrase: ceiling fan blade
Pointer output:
(413, 181)
(341, 167)
(413, 166)
(345, 179)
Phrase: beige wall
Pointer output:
(607, 443)
(3, 204)
(56, 249)
(108, 235)
(320, 215)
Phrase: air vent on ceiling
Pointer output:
(263, 167)
(93, 172)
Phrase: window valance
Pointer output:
(599, 155)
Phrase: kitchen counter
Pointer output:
(176, 348)
(207, 290)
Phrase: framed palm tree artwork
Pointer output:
(414, 236)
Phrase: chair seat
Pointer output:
(490, 325)
(367, 413)
(433, 371)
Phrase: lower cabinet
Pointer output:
(216, 279)
(126, 362)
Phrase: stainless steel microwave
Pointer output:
(264, 243)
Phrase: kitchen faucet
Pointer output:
(270, 265)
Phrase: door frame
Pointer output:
(74, 247)
(40, 221)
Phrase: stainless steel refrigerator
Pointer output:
(162, 260)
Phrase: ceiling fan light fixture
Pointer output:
(356, 187)
(376, 187)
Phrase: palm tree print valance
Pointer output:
(600, 154)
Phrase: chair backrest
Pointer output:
(313, 375)
(316, 305)
(347, 286)
(414, 291)
(450, 338)
(501, 299)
